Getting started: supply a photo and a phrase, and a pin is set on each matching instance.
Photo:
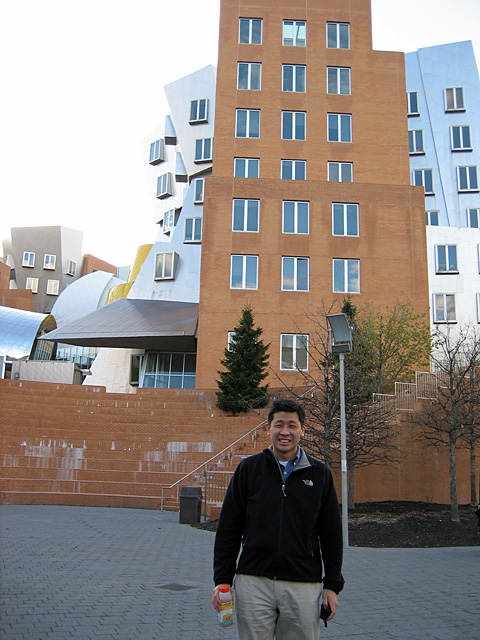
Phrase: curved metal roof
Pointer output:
(19, 328)
(83, 296)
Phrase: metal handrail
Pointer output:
(210, 460)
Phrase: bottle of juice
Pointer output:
(225, 615)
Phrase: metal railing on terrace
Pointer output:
(200, 472)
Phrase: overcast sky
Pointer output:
(82, 85)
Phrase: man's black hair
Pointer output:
(290, 406)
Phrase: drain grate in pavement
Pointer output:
(172, 586)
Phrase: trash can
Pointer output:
(190, 505)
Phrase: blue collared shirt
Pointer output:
(288, 467)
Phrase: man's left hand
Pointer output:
(330, 598)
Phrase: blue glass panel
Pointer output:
(333, 128)
(254, 128)
(288, 78)
(238, 215)
(288, 274)
(338, 276)
(288, 217)
(239, 170)
(237, 272)
(251, 272)
(287, 125)
(241, 131)
(302, 217)
(352, 220)
(252, 215)
(302, 274)
(338, 221)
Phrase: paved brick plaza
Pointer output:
(123, 574)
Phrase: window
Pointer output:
(164, 185)
(165, 264)
(247, 123)
(156, 152)
(169, 220)
(250, 31)
(446, 258)
(431, 218)
(230, 339)
(52, 287)
(246, 168)
(49, 261)
(245, 216)
(199, 187)
(454, 99)
(32, 284)
(346, 276)
(294, 78)
(460, 137)
(339, 127)
(424, 178)
(28, 259)
(473, 218)
(467, 178)
(244, 272)
(412, 103)
(295, 274)
(198, 110)
(294, 33)
(193, 230)
(71, 268)
(444, 307)
(338, 35)
(249, 76)
(294, 170)
(294, 351)
(296, 217)
(170, 370)
(478, 307)
(344, 219)
(415, 141)
(340, 172)
(135, 366)
(293, 125)
(203, 149)
(338, 80)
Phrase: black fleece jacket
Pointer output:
(285, 529)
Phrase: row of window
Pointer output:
(295, 217)
(52, 286)
(460, 139)
(294, 78)
(467, 179)
(453, 99)
(293, 125)
(49, 262)
(295, 272)
(294, 33)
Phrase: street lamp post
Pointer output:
(341, 343)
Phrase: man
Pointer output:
(282, 509)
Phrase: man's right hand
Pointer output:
(216, 602)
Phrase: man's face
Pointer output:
(285, 432)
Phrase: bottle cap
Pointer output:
(224, 588)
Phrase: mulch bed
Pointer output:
(405, 524)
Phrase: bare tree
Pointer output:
(444, 421)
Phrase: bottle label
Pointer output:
(225, 615)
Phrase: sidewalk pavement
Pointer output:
(122, 574)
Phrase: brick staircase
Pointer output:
(76, 445)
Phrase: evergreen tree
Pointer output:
(245, 361)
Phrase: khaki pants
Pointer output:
(277, 609)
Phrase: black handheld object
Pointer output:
(325, 611)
